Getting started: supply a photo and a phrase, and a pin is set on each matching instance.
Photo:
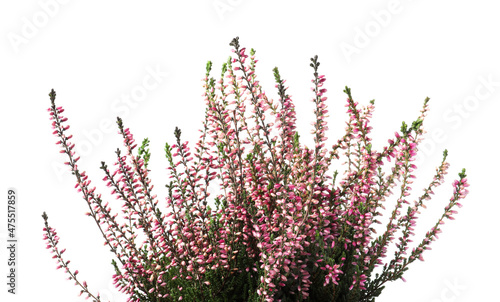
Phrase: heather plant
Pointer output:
(282, 228)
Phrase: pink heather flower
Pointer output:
(279, 204)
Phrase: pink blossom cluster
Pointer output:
(278, 205)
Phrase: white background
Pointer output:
(95, 52)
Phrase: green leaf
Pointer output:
(144, 152)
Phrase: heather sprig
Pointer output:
(282, 229)
(52, 241)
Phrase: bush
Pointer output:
(281, 229)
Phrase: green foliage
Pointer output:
(144, 152)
